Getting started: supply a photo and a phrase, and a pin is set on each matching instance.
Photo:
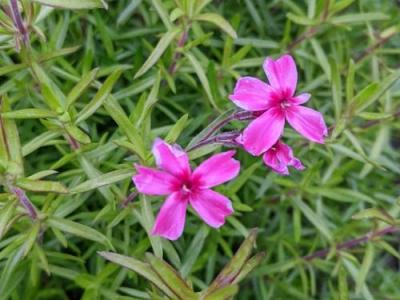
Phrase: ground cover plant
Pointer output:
(197, 149)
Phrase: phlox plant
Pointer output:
(196, 149)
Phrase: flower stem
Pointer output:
(353, 243)
(18, 22)
(25, 202)
(129, 199)
(181, 42)
(238, 115)
(226, 138)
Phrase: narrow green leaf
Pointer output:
(41, 186)
(249, 266)
(322, 58)
(171, 278)
(219, 21)
(99, 98)
(141, 268)
(227, 292)
(162, 12)
(374, 213)
(177, 129)
(6, 213)
(151, 100)
(104, 179)
(202, 77)
(193, 251)
(31, 238)
(39, 141)
(78, 229)
(358, 18)
(233, 268)
(373, 92)
(336, 88)
(81, 86)
(74, 4)
(77, 134)
(11, 68)
(29, 113)
(51, 93)
(119, 116)
(315, 219)
(343, 286)
(365, 267)
(147, 220)
(301, 20)
(350, 81)
(160, 48)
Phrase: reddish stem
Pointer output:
(353, 243)
(26, 203)
(17, 18)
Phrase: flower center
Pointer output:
(187, 187)
(285, 104)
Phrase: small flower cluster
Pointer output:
(275, 103)
(272, 104)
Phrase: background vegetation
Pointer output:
(85, 91)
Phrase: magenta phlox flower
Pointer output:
(279, 157)
(276, 103)
(183, 186)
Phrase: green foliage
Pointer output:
(87, 85)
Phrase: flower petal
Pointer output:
(300, 99)
(263, 132)
(279, 157)
(171, 158)
(217, 169)
(252, 94)
(170, 220)
(282, 74)
(271, 160)
(154, 182)
(308, 122)
(211, 206)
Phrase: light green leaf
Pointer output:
(202, 77)
(100, 97)
(77, 134)
(160, 48)
(365, 267)
(162, 12)
(29, 113)
(358, 18)
(119, 116)
(141, 268)
(102, 180)
(315, 219)
(322, 59)
(374, 213)
(82, 85)
(42, 186)
(194, 250)
(74, 4)
(219, 21)
(78, 229)
(177, 129)
(373, 92)
(233, 268)
(227, 292)
(171, 278)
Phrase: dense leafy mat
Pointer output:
(84, 92)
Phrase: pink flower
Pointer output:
(276, 102)
(279, 157)
(176, 179)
